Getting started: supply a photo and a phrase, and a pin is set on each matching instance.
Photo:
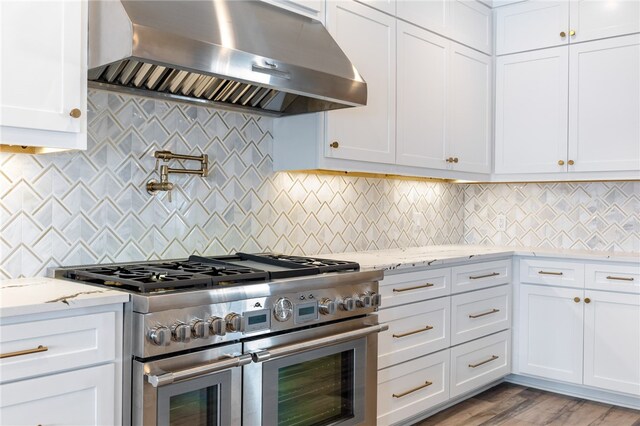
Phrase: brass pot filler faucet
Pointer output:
(153, 186)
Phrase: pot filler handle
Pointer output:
(281, 351)
(175, 376)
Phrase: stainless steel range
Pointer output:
(251, 339)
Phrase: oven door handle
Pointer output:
(201, 370)
(281, 351)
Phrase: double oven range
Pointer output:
(246, 339)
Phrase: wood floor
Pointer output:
(513, 405)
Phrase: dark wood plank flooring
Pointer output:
(513, 405)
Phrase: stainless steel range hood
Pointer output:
(236, 54)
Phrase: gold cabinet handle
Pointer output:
(400, 395)
(449, 160)
(334, 144)
(493, 358)
(493, 311)
(477, 277)
(550, 273)
(400, 290)
(410, 333)
(560, 162)
(563, 34)
(611, 277)
(40, 348)
(455, 159)
(75, 113)
(572, 33)
(571, 162)
(576, 299)
(587, 300)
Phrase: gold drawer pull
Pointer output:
(493, 311)
(610, 277)
(409, 333)
(400, 395)
(477, 277)
(25, 352)
(550, 273)
(400, 290)
(493, 358)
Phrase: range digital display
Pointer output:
(307, 310)
(257, 319)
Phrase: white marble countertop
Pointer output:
(412, 257)
(24, 296)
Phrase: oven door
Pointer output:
(196, 389)
(318, 376)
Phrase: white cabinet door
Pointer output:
(43, 78)
(368, 38)
(432, 15)
(387, 6)
(531, 25)
(423, 59)
(604, 104)
(312, 8)
(471, 24)
(612, 341)
(81, 397)
(470, 112)
(551, 332)
(594, 19)
(531, 111)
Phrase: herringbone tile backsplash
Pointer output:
(88, 207)
(91, 206)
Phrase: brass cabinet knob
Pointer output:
(576, 299)
(334, 144)
(572, 33)
(455, 159)
(75, 113)
(570, 162)
(449, 160)
(563, 34)
(560, 162)
(587, 300)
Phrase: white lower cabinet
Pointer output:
(479, 313)
(81, 397)
(612, 341)
(408, 389)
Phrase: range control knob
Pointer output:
(348, 304)
(160, 335)
(234, 322)
(217, 326)
(327, 307)
(364, 301)
(282, 309)
(181, 332)
(199, 329)
(376, 299)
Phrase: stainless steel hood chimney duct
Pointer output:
(237, 54)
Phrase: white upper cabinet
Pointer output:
(387, 6)
(423, 71)
(432, 15)
(44, 74)
(604, 105)
(311, 8)
(594, 19)
(368, 38)
(531, 25)
(471, 24)
(531, 112)
(470, 118)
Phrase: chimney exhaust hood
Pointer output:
(241, 55)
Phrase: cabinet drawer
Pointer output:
(480, 362)
(70, 343)
(552, 272)
(83, 397)
(623, 278)
(480, 275)
(414, 330)
(413, 287)
(412, 387)
(479, 313)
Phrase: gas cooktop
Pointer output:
(198, 272)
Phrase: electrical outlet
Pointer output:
(501, 222)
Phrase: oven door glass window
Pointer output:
(315, 388)
(204, 401)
